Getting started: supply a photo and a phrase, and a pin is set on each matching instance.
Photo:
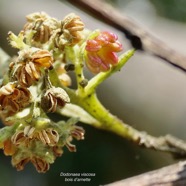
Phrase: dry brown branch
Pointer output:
(138, 36)
(173, 175)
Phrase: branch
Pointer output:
(106, 121)
(139, 37)
(173, 175)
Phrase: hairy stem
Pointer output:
(111, 123)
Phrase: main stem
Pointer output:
(107, 121)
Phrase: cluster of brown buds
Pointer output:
(42, 30)
(41, 145)
(28, 89)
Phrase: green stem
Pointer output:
(75, 55)
(107, 121)
(92, 105)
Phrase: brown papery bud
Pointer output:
(20, 164)
(42, 58)
(13, 98)
(72, 27)
(54, 97)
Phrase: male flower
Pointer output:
(13, 98)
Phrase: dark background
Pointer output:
(148, 94)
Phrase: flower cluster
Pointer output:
(41, 146)
(38, 82)
(28, 88)
(100, 52)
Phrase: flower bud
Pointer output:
(26, 75)
(100, 52)
(57, 151)
(78, 132)
(7, 89)
(62, 75)
(70, 146)
(18, 138)
(23, 136)
(43, 32)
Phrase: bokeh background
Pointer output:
(148, 94)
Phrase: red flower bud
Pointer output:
(100, 52)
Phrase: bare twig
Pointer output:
(138, 36)
(173, 175)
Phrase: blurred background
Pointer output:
(148, 94)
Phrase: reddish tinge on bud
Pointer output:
(100, 52)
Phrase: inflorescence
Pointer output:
(27, 93)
